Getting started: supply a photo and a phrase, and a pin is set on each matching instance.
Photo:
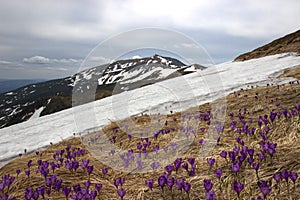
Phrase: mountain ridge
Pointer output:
(285, 44)
(88, 85)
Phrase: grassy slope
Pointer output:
(288, 43)
(284, 133)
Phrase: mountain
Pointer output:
(288, 43)
(92, 84)
(7, 85)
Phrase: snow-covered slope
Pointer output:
(174, 94)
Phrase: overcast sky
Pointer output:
(51, 38)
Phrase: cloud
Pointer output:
(249, 18)
(44, 60)
(65, 30)
(99, 19)
(37, 60)
(5, 62)
(99, 59)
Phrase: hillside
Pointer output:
(202, 176)
(288, 43)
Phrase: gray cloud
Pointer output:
(60, 30)
(37, 60)
(5, 62)
(44, 60)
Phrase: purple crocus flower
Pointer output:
(139, 146)
(39, 162)
(66, 191)
(210, 195)
(90, 169)
(185, 166)
(68, 165)
(237, 187)
(98, 187)
(129, 137)
(218, 173)
(191, 161)
(293, 176)
(251, 152)
(84, 163)
(271, 148)
(28, 193)
(155, 165)
(223, 154)
(93, 194)
(53, 166)
(285, 175)
(235, 167)
(201, 142)
(169, 168)
(264, 188)
(273, 116)
(192, 172)
(122, 180)
(266, 129)
(29, 163)
(242, 158)
(211, 161)
(57, 184)
(186, 187)
(121, 193)
(119, 181)
(75, 164)
(177, 163)
(256, 166)
(276, 177)
(156, 148)
(170, 182)
(2, 186)
(27, 172)
(179, 184)
(232, 155)
(105, 170)
(41, 191)
(149, 183)
(76, 188)
(87, 184)
(207, 184)
(162, 181)
(261, 156)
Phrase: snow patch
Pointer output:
(36, 113)
(136, 57)
(190, 69)
(9, 93)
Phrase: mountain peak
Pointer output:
(88, 85)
